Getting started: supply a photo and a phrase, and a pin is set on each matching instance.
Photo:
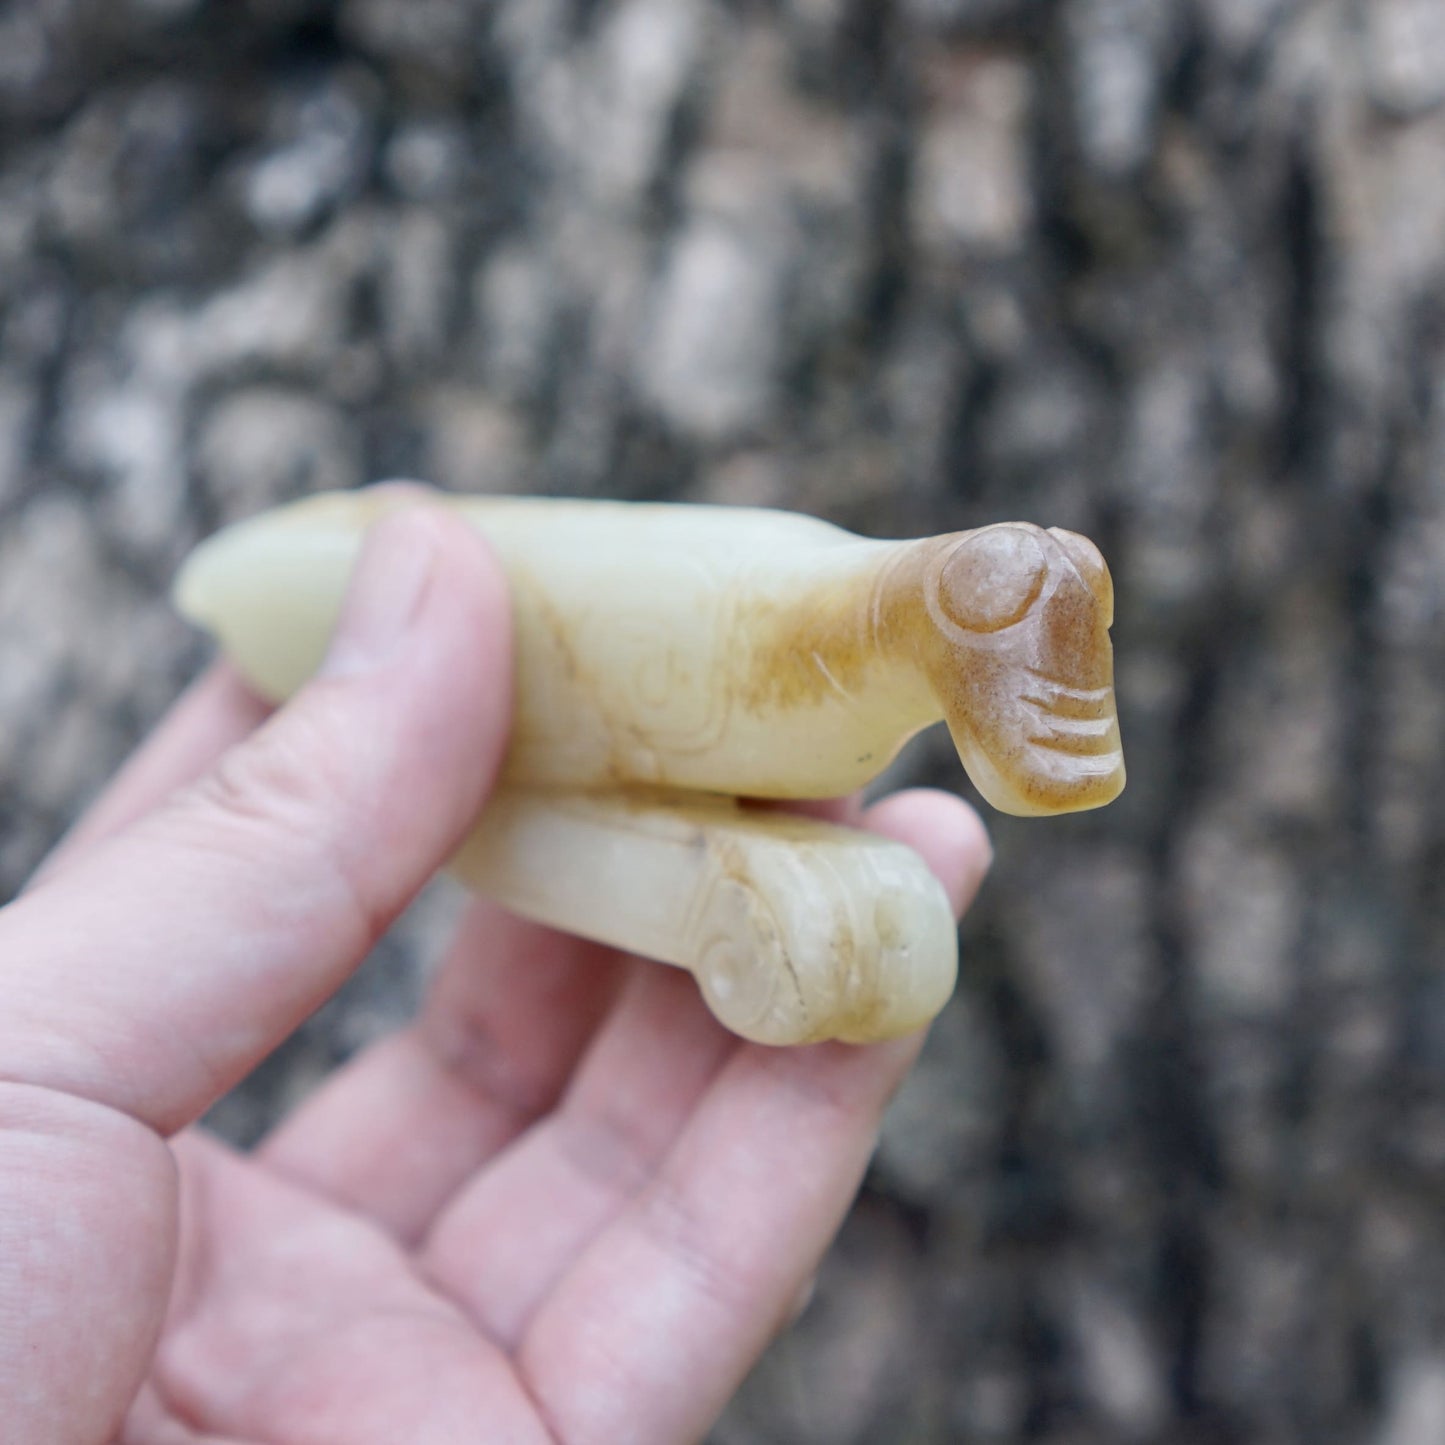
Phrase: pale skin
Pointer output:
(564, 1205)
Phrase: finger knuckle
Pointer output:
(281, 780)
(297, 790)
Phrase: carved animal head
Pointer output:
(1018, 654)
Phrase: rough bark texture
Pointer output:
(1169, 272)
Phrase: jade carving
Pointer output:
(673, 659)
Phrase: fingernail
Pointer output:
(385, 593)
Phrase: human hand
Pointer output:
(563, 1205)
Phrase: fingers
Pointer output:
(163, 964)
(215, 713)
(506, 1240)
(654, 1232)
(398, 1131)
(653, 1327)
(945, 832)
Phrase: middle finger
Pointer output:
(395, 1133)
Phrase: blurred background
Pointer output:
(1167, 272)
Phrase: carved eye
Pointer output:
(1092, 568)
(992, 578)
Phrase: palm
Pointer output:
(577, 1223)
(366, 1350)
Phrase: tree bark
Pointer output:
(1169, 274)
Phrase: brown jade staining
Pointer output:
(673, 659)
(1002, 633)
(1022, 664)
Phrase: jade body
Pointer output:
(733, 651)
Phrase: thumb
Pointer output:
(164, 964)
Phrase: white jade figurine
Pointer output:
(672, 659)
